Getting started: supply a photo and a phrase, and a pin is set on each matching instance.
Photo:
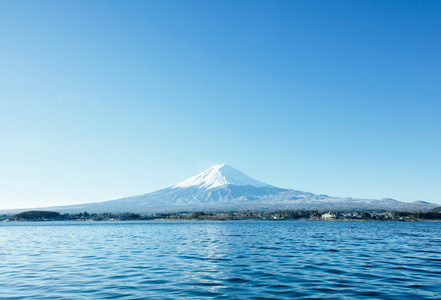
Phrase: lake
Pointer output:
(220, 260)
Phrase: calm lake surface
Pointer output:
(220, 260)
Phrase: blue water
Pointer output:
(220, 260)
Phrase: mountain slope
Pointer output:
(220, 175)
(223, 187)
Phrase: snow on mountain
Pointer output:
(222, 187)
(220, 175)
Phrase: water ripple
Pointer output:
(220, 260)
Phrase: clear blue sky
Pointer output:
(105, 99)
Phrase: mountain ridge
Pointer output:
(223, 187)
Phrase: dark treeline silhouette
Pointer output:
(36, 215)
(231, 215)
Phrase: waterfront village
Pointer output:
(279, 215)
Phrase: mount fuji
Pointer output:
(225, 188)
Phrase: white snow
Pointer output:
(220, 175)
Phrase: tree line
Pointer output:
(36, 215)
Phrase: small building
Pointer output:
(329, 216)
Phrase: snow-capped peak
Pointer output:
(220, 175)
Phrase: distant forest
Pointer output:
(35, 215)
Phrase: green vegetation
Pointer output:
(231, 215)
(37, 215)
(300, 215)
(430, 215)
